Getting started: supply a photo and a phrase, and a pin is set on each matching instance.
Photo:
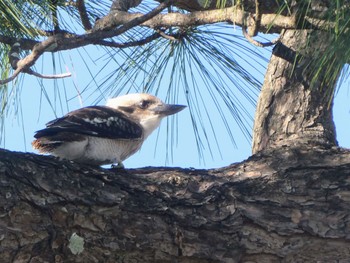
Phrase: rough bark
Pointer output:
(284, 204)
(292, 108)
(288, 205)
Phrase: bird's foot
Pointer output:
(118, 166)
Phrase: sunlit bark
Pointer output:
(293, 108)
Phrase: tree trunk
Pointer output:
(292, 107)
(288, 205)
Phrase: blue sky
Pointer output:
(30, 110)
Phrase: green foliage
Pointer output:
(334, 17)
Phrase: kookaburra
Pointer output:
(104, 134)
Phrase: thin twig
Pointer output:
(258, 43)
(130, 24)
(23, 65)
(163, 34)
(129, 44)
(257, 20)
(57, 76)
(255, 28)
(31, 72)
(14, 75)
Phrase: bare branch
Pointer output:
(124, 5)
(47, 45)
(257, 19)
(134, 21)
(26, 44)
(163, 34)
(80, 4)
(129, 44)
(23, 65)
(258, 43)
(102, 29)
(14, 75)
(273, 23)
(57, 76)
(50, 44)
(254, 28)
(31, 72)
(233, 15)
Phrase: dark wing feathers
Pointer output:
(99, 121)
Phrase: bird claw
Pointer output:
(118, 166)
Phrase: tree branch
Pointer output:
(52, 42)
(56, 76)
(14, 75)
(26, 44)
(129, 44)
(274, 207)
(258, 43)
(117, 23)
(32, 72)
(254, 28)
(80, 4)
(235, 15)
(129, 23)
(163, 34)
(124, 5)
(102, 29)
(23, 65)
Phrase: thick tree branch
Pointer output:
(233, 15)
(70, 41)
(273, 207)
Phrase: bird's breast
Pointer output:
(107, 151)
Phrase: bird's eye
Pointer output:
(144, 104)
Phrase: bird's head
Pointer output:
(147, 109)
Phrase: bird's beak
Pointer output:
(168, 109)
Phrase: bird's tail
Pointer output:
(45, 145)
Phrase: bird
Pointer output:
(101, 135)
